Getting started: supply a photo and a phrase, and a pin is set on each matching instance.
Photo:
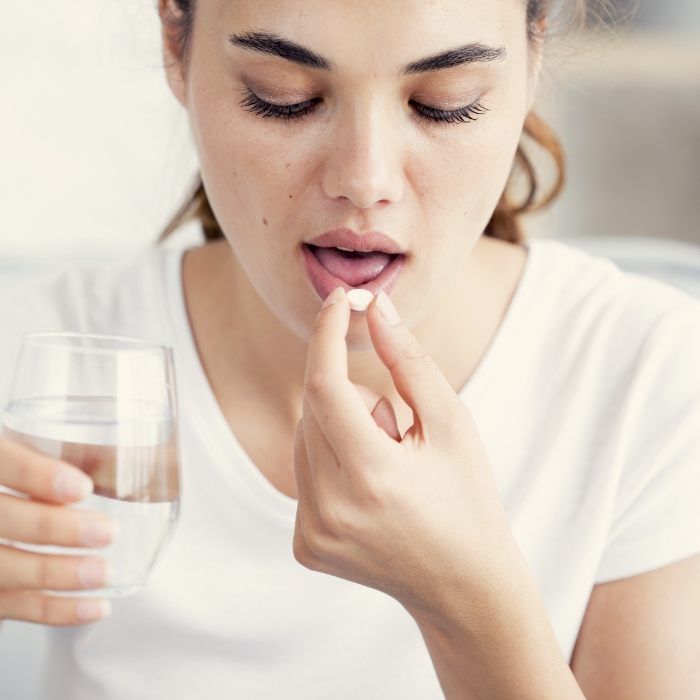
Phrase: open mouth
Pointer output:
(329, 268)
(353, 267)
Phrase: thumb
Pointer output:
(418, 379)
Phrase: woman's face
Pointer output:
(367, 155)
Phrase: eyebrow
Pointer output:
(266, 42)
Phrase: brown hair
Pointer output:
(505, 220)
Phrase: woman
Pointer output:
(502, 449)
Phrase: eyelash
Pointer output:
(470, 113)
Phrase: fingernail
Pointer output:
(71, 484)
(90, 610)
(94, 573)
(387, 309)
(96, 531)
(334, 296)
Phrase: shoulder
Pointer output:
(584, 299)
(603, 344)
(585, 279)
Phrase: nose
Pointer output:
(363, 162)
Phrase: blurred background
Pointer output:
(95, 154)
(625, 101)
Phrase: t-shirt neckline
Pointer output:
(221, 437)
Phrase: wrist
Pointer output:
(467, 601)
(495, 641)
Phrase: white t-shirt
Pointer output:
(588, 403)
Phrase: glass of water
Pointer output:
(107, 405)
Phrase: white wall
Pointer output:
(95, 152)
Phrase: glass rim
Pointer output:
(43, 338)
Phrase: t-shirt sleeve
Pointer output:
(656, 519)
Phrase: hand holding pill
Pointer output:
(418, 517)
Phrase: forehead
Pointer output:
(375, 35)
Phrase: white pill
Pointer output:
(360, 299)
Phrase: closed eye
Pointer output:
(252, 103)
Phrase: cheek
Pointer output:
(476, 162)
(247, 167)
(467, 180)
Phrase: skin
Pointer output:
(365, 162)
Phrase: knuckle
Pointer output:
(306, 550)
(375, 493)
(333, 519)
(317, 384)
(36, 464)
(36, 473)
(56, 611)
(47, 609)
(415, 356)
(301, 551)
(414, 351)
(52, 611)
(31, 607)
(320, 321)
(46, 528)
(21, 471)
(316, 544)
(45, 572)
(22, 466)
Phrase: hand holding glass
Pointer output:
(108, 406)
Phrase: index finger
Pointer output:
(339, 409)
(25, 470)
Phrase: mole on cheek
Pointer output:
(286, 165)
(290, 196)
(264, 221)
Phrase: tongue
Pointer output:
(353, 268)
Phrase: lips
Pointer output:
(371, 241)
(329, 268)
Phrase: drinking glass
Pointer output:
(108, 405)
